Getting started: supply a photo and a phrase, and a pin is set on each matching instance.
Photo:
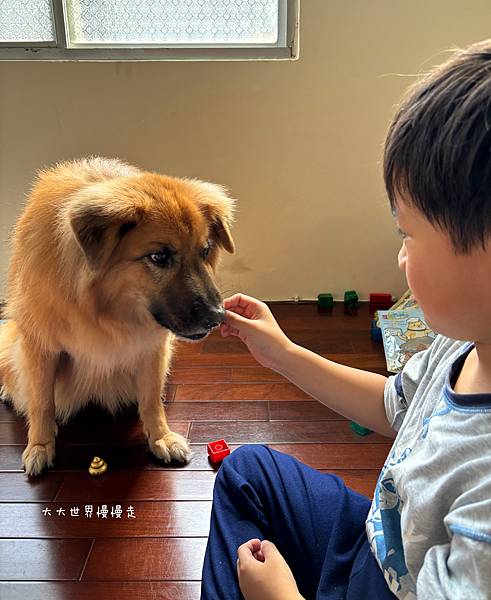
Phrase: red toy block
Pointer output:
(218, 450)
(379, 302)
(381, 299)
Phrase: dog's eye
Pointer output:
(161, 259)
(206, 251)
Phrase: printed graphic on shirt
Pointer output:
(384, 531)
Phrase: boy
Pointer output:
(427, 533)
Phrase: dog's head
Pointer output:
(150, 245)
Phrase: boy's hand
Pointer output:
(264, 574)
(253, 323)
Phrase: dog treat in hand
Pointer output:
(97, 466)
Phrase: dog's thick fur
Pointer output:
(110, 264)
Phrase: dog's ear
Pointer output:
(218, 207)
(98, 231)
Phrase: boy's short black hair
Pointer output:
(438, 148)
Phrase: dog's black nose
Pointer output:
(214, 318)
(205, 315)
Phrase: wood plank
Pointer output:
(237, 391)
(10, 458)
(13, 432)
(133, 559)
(92, 433)
(247, 361)
(328, 342)
(188, 349)
(107, 590)
(215, 344)
(246, 374)
(180, 375)
(7, 413)
(361, 480)
(255, 375)
(258, 374)
(302, 411)
(119, 457)
(259, 432)
(36, 560)
(115, 486)
(18, 487)
(209, 360)
(24, 488)
(338, 456)
(212, 411)
(152, 519)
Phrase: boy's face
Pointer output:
(453, 290)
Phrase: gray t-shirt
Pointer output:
(429, 525)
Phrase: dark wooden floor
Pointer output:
(155, 549)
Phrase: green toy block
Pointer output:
(359, 429)
(351, 298)
(325, 300)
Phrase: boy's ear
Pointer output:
(218, 207)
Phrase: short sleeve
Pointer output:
(400, 389)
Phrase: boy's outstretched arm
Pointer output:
(353, 393)
(356, 394)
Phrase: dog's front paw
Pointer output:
(171, 446)
(37, 456)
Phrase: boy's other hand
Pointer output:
(254, 324)
(264, 574)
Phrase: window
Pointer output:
(96, 30)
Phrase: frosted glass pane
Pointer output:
(26, 21)
(173, 21)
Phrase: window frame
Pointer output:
(287, 47)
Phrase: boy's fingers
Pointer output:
(268, 549)
(259, 556)
(253, 544)
(233, 319)
(226, 330)
(242, 304)
(239, 300)
(233, 301)
(244, 552)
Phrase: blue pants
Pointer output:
(317, 523)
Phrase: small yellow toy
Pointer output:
(97, 466)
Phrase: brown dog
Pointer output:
(110, 264)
